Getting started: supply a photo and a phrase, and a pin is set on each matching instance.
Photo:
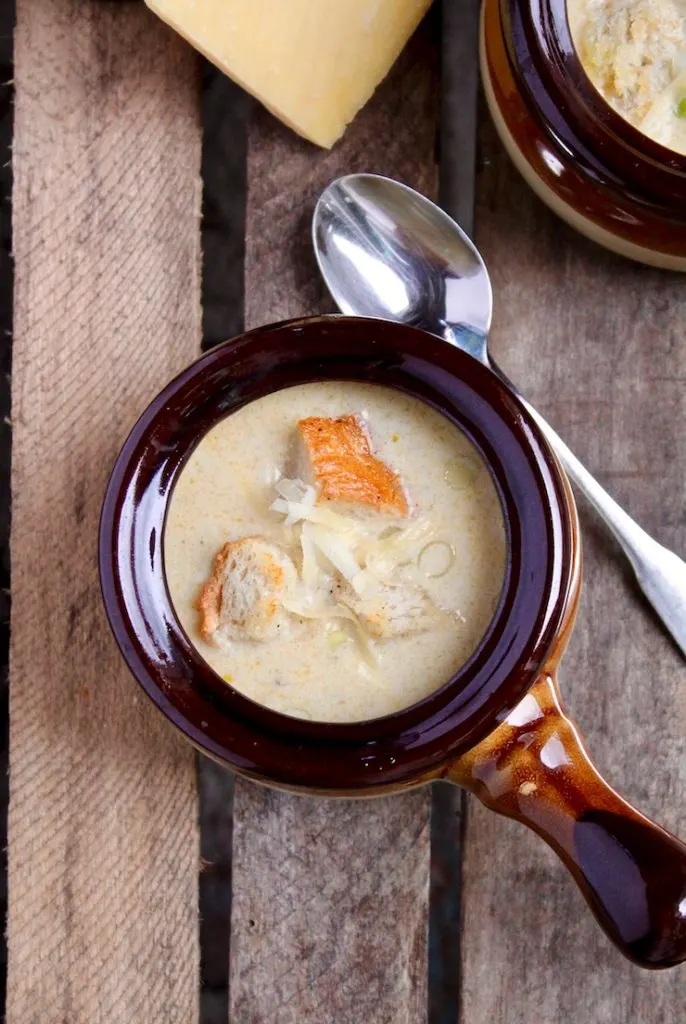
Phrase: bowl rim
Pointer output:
(410, 745)
(558, 65)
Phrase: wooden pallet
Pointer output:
(330, 900)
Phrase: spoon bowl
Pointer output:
(385, 251)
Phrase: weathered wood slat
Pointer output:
(598, 345)
(103, 851)
(330, 898)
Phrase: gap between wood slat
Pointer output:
(224, 111)
(456, 190)
(7, 16)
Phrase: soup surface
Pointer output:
(335, 605)
(634, 52)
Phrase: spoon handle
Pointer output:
(660, 573)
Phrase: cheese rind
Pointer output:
(313, 63)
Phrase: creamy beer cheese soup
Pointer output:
(634, 52)
(335, 551)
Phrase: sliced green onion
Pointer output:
(436, 558)
(461, 472)
(335, 638)
(680, 108)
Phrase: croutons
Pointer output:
(335, 456)
(243, 598)
(392, 610)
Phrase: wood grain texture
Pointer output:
(330, 898)
(598, 346)
(103, 849)
(396, 134)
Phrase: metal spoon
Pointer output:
(386, 251)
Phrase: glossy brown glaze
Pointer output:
(400, 749)
(534, 768)
(592, 160)
(497, 726)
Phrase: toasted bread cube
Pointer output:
(243, 598)
(336, 457)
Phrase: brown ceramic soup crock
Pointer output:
(497, 727)
(591, 166)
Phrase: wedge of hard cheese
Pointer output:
(313, 63)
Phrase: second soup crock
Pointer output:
(583, 159)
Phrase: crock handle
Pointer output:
(534, 768)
